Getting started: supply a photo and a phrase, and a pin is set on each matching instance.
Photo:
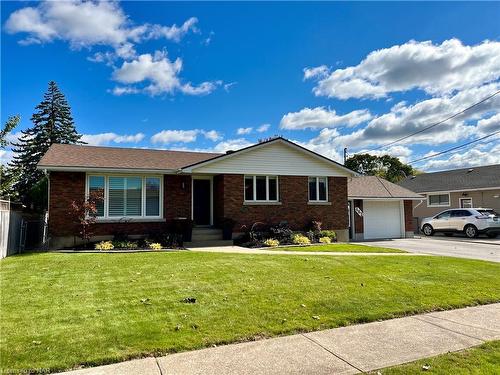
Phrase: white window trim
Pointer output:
(438, 205)
(317, 200)
(267, 200)
(465, 198)
(143, 177)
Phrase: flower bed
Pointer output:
(265, 235)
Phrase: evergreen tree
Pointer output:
(6, 179)
(52, 123)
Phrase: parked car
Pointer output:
(470, 221)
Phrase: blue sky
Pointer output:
(327, 75)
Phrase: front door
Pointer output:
(201, 202)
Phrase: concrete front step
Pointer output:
(206, 234)
(211, 243)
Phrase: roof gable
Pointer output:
(277, 156)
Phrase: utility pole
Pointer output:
(345, 154)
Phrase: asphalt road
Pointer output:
(480, 248)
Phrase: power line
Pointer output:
(437, 123)
(454, 148)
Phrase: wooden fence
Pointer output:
(12, 230)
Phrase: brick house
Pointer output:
(269, 182)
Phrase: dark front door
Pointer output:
(201, 202)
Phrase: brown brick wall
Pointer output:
(358, 220)
(294, 208)
(409, 222)
(66, 187)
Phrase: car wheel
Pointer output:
(471, 231)
(448, 234)
(492, 235)
(427, 229)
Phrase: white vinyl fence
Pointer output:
(12, 230)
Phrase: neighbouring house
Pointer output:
(144, 190)
(459, 188)
(380, 209)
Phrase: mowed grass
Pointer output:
(340, 247)
(484, 359)
(60, 311)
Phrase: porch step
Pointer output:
(206, 234)
(211, 243)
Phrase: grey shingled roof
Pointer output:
(376, 187)
(78, 156)
(457, 179)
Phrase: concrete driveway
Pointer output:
(483, 249)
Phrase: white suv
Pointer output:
(470, 221)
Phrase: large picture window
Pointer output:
(127, 196)
(261, 188)
(318, 189)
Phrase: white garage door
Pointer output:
(381, 219)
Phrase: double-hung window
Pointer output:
(261, 188)
(127, 196)
(318, 189)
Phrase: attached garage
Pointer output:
(383, 219)
(379, 209)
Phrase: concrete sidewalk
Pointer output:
(346, 350)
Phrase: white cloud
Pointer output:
(404, 119)
(227, 86)
(433, 68)
(89, 23)
(160, 72)
(124, 90)
(477, 156)
(5, 156)
(232, 145)
(107, 138)
(321, 117)
(172, 136)
(401, 152)
(212, 135)
(317, 72)
(323, 144)
(174, 32)
(488, 125)
(263, 128)
(184, 136)
(104, 24)
(243, 131)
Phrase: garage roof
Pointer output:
(373, 187)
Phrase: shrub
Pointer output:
(129, 245)
(155, 246)
(299, 239)
(329, 233)
(282, 232)
(104, 245)
(325, 240)
(271, 242)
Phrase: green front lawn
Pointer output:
(339, 247)
(64, 310)
(484, 359)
